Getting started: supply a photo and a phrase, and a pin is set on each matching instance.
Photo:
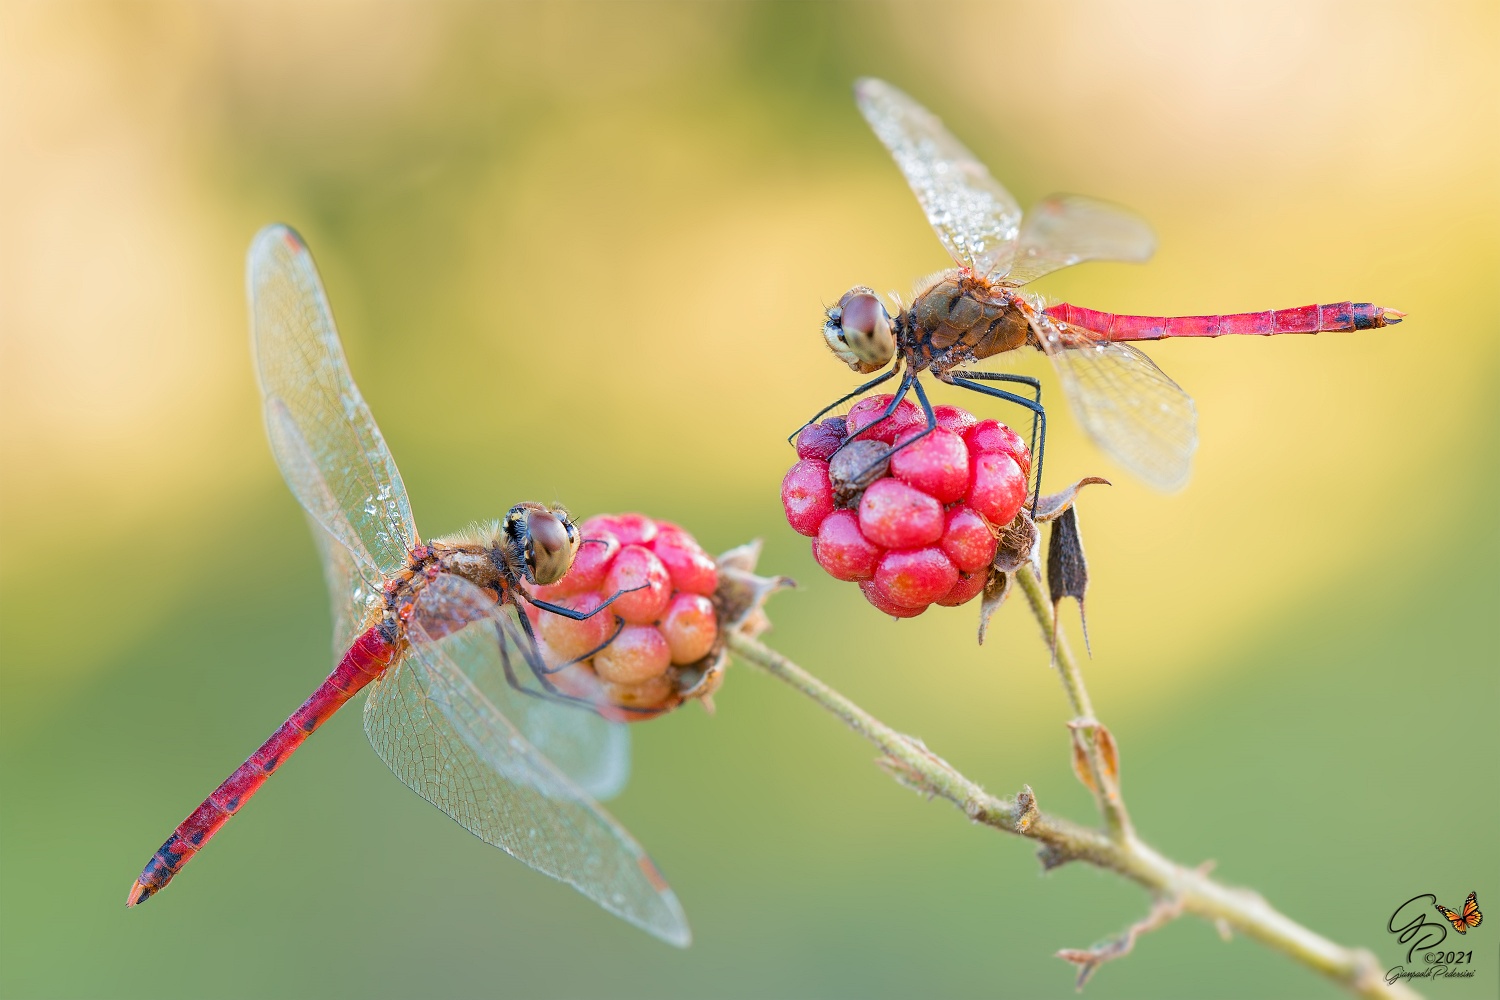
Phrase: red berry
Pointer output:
(968, 587)
(993, 436)
(997, 487)
(842, 550)
(571, 639)
(954, 418)
(821, 440)
(630, 529)
(807, 495)
(638, 654)
(873, 595)
(690, 568)
(914, 578)
(969, 540)
(634, 566)
(937, 464)
(864, 414)
(690, 627)
(898, 516)
(654, 693)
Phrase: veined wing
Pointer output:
(447, 739)
(323, 436)
(352, 582)
(1065, 229)
(974, 216)
(1126, 404)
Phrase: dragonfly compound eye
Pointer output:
(858, 330)
(551, 543)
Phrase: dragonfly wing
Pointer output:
(1128, 405)
(323, 436)
(1065, 229)
(976, 219)
(352, 582)
(446, 739)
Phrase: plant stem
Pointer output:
(1118, 850)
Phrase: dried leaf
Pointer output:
(1067, 569)
(1109, 754)
(995, 591)
(1051, 506)
(1081, 764)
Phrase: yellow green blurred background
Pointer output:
(579, 252)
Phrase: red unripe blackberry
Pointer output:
(937, 464)
(843, 550)
(807, 495)
(655, 693)
(914, 578)
(968, 540)
(637, 654)
(861, 421)
(690, 568)
(821, 440)
(897, 516)
(690, 627)
(997, 487)
(637, 567)
(954, 418)
(968, 587)
(571, 639)
(993, 436)
(882, 603)
(630, 529)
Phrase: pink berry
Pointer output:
(690, 627)
(571, 639)
(914, 578)
(937, 464)
(898, 516)
(842, 550)
(968, 540)
(633, 567)
(997, 487)
(630, 529)
(821, 440)
(638, 702)
(690, 568)
(968, 587)
(638, 654)
(954, 418)
(873, 595)
(863, 415)
(807, 495)
(993, 436)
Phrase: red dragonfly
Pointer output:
(957, 317)
(461, 706)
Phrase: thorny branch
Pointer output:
(1176, 889)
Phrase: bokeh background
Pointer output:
(579, 252)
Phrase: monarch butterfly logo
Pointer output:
(1470, 917)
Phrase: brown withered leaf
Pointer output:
(995, 591)
(1051, 506)
(1081, 765)
(1109, 754)
(1067, 569)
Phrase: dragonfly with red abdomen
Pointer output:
(462, 706)
(975, 311)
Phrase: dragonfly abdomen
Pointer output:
(369, 655)
(1333, 318)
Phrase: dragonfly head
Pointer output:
(545, 538)
(858, 330)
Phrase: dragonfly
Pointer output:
(461, 705)
(963, 315)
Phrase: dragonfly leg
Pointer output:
(1039, 413)
(538, 667)
(907, 381)
(1035, 384)
(844, 399)
(619, 627)
(578, 616)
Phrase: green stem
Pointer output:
(911, 763)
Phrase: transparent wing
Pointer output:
(352, 584)
(975, 217)
(1065, 229)
(1128, 405)
(446, 738)
(326, 442)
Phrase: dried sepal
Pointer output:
(1067, 569)
(1081, 768)
(1051, 506)
(1016, 543)
(996, 589)
(1093, 735)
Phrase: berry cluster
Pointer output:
(914, 527)
(652, 647)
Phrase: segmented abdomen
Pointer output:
(1336, 317)
(367, 657)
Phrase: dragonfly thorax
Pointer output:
(958, 317)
